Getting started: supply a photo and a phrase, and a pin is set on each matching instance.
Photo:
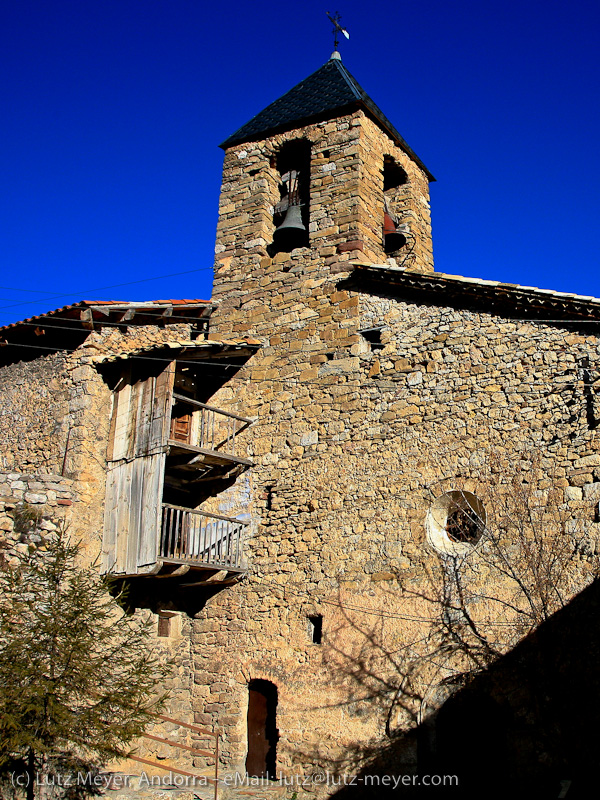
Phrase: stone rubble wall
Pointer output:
(31, 507)
(351, 446)
(61, 404)
(349, 457)
(34, 414)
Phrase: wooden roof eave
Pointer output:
(449, 290)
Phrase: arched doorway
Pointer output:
(262, 729)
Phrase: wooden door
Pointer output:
(181, 428)
(262, 729)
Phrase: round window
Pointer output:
(455, 522)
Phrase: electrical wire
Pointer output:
(32, 291)
(102, 288)
(570, 383)
(362, 609)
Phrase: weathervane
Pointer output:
(337, 28)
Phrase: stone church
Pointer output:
(302, 477)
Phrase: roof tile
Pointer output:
(322, 95)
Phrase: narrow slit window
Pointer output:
(315, 625)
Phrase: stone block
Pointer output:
(591, 492)
(588, 461)
(33, 497)
(352, 244)
(573, 493)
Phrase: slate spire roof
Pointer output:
(327, 93)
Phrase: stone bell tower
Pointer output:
(317, 179)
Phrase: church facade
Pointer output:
(309, 479)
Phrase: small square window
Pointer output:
(373, 337)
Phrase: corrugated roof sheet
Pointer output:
(324, 94)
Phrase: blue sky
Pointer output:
(113, 111)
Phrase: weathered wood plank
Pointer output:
(194, 750)
(198, 404)
(134, 413)
(188, 725)
(169, 768)
(161, 412)
(136, 498)
(121, 411)
(150, 508)
(141, 434)
(211, 456)
(123, 486)
(109, 537)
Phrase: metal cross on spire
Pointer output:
(337, 29)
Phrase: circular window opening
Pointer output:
(455, 522)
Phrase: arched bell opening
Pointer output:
(395, 184)
(291, 215)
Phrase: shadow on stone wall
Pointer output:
(520, 729)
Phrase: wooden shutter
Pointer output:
(136, 465)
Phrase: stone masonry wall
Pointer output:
(34, 414)
(351, 447)
(352, 444)
(31, 507)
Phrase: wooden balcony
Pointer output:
(202, 442)
(200, 539)
(168, 453)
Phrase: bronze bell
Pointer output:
(292, 231)
(393, 239)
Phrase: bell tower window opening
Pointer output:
(395, 183)
(393, 175)
(291, 215)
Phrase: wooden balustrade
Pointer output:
(197, 537)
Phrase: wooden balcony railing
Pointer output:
(197, 537)
(207, 426)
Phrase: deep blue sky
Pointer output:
(113, 110)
